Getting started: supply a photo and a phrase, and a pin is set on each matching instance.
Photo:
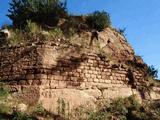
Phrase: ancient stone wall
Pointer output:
(40, 62)
(66, 74)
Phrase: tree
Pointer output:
(46, 12)
(98, 20)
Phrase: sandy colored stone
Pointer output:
(115, 93)
(21, 107)
(94, 92)
(73, 98)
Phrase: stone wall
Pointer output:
(79, 78)
(155, 93)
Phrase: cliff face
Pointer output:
(67, 71)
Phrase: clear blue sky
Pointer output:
(140, 17)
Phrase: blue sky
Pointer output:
(140, 17)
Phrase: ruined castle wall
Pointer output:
(42, 62)
(16, 63)
(85, 76)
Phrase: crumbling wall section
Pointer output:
(70, 76)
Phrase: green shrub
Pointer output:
(56, 33)
(40, 11)
(16, 37)
(98, 20)
(39, 109)
(21, 116)
(128, 109)
(100, 115)
(63, 108)
(3, 93)
(4, 108)
(120, 109)
(32, 27)
(154, 109)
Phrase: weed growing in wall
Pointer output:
(4, 108)
(63, 108)
(32, 27)
(17, 37)
(127, 109)
(39, 109)
(55, 33)
(3, 93)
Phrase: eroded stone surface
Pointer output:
(155, 93)
(72, 98)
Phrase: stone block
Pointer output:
(90, 79)
(90, 71)
(97, 69)
(49, 101)
(23, 82)
(82, 67)
(54, 84)
(95, 72)
(30, 82)
(45, 82)
(36, 82)
(62, 84)
(113, 81)
(87, 75)
(123, 75)
(92, 68)
(107, 81)
(93, 92)
(82, 85)
(104, 77)
(76, 74)
(73, 78)
(110, 94)
(96, 80)
(57, 77)
(50, 77)
(86, 67)
(38, 76)
(93, 76)
(119, 78)
(101, 80)
(88, 85)
(90, 61)
(111, 78)
(108, 73)
(79, 70)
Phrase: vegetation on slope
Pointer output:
(128, 109)
(39, 11)
(119, 109)
(33, 19)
